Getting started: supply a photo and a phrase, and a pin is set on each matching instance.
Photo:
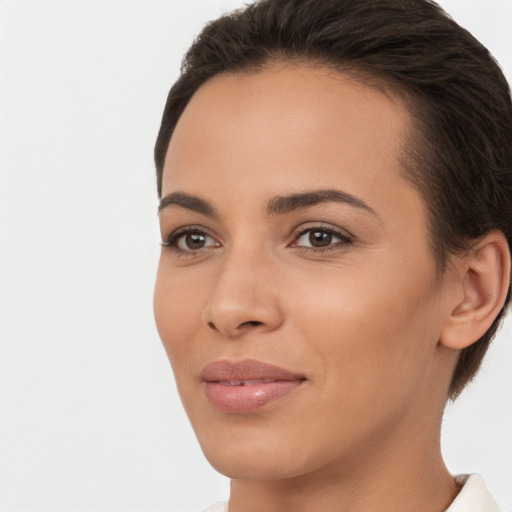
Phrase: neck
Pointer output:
(403, 474)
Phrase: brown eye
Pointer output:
(319, 238)
(192, 241)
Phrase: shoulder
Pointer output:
(473, 497)
(221, 506)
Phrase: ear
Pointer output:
(481, 287)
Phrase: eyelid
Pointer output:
(346, 237)
(170, 241)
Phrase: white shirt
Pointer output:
(473, 497)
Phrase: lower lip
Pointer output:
(245, 399)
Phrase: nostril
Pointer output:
(254, 323)
(249, 323)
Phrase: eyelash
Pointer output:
(172, 241)
(345, 239)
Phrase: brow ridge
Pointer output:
(287, 203)
(188, 201)
(278, 205)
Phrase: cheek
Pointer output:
(177, 308)
(371, 345)
(364, 326)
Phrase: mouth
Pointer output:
(245, 382)
(245, 386)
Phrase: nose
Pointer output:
(244, 297)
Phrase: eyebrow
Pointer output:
(303, 200)
(189, 202)
(279, 205)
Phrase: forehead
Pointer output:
(285, 129)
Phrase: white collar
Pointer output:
(473, 497)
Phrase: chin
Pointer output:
(253, 466)
(258, 457)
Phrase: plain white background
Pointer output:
(89, 417)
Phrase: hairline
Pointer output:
(412, 154)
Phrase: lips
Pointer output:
(245, 386)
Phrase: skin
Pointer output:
(361, 318)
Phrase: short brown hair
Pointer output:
(460, 157)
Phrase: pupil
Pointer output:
(320, 239)
(195, 240)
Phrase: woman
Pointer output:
(335, 182)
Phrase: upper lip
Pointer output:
(245, 370)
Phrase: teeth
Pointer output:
(245, 382)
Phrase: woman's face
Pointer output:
(292, 241)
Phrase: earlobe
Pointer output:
(483, 285)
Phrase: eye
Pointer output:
(320, 237)
(190, 240)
